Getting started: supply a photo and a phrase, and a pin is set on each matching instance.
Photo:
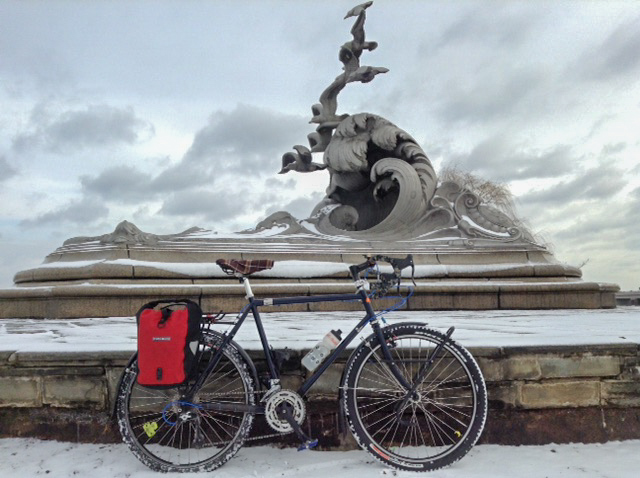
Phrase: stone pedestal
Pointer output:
(98, 279)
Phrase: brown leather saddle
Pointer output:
(244, 268)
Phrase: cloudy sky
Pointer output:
(174, 114)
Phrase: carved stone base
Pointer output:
(98, 279)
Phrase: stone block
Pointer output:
(43, 370)
(542, 257)
(333, 287)
(556, 270)
(472, 301)
(285, 308)
(503, 395)
(580, 366)
(155, 273)
(329, 382)
(549, 300)
(228, 304)
(484, 258)
(74, 362)
(23, 307)
(93, 271)
(329, 306)
(20, 392)
(492, 370)
(510, 368)
(608, 300)
(112, 377)
(69, 391)
(490, 271)
(143, 254)
(291, 381)
(570, 350)
(522, 368)
(292, 289)
(428, 301)
(565, 394)
(621, 393)
(631, 369)
(485, 351)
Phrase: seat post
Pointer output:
(247, 287)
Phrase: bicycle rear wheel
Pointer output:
(433, 429)
(168, 434)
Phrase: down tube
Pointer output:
(334, 355)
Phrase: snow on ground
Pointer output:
(298, 330)
(27, 458)
(34, 458)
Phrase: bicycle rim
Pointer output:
(170, 434)
(437, 426)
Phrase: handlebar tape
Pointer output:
(397, 264)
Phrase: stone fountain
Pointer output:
(383, 197)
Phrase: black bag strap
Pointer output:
(166, 313)
(151, 305)
(155, 303)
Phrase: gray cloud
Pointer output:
(246, 142)
(618, 55)
(120, 184)
(496, 25)
(300, 208)
(226, 155)
(620, 220)
(497, 158)
(494, 96)
(6, 170)
(210, 205)
(251, 133)
(593, 184)
(97, 125)
(83, 211)
(613, 148)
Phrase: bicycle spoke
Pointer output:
(426, 427)
(170, 433)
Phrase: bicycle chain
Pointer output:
(271, 435)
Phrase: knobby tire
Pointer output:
(438, 425)
(150, 419)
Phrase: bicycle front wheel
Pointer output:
(169, 434)
(429, 430)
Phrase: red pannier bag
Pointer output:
(168, 339)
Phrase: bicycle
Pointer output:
(411, 396)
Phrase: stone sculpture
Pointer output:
(383, 197)
(382, 184)
(128, 233)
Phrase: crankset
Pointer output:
(285, 412)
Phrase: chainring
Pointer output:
(271, 410)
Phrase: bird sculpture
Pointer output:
(300, 161)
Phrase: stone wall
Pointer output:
(122, 300)
(629, 297)
(536, 395)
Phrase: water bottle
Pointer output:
(322, 350)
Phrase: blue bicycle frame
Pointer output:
(253, 306)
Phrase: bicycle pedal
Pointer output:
(308, 445)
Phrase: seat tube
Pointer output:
(273, 370)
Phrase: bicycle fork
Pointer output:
(411, 390)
